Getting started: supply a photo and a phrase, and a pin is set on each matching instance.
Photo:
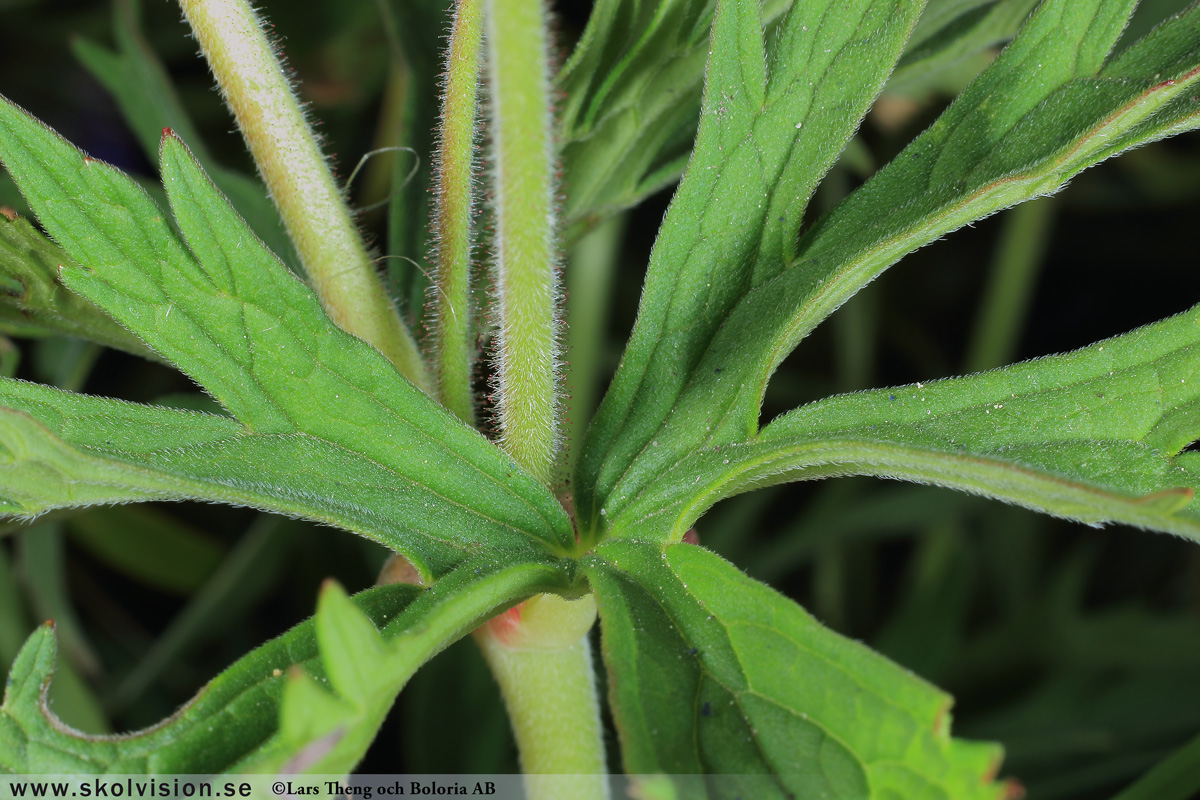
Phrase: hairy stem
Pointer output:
(255, 85)
(523, 168)
(452, 217)
(540, 656)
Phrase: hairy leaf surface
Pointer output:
(139, 83)
(632, 96)
(326, 727)
(713, 672)
(1095, 435)
(270, 711)
(768, 134)
(59, 450)
(1047, 108)
(231, 316)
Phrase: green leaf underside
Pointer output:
(1095, 435)
(63, 450)
(1045, 110)
(34, 303)
(764, 690)
(231, 316)
(231, 716)
(950, 32)
(767, 134)
(276, 708)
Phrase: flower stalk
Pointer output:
(453, 348)
(254, 83)
(524, 191)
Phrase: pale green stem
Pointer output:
(255, 85)
(452, 216)
(523, 170)
(540, 656)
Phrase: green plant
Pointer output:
(708, 671)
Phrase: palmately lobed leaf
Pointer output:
(770, 129)
(329, 430)
(1054, 103)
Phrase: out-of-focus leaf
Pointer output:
(140, 84)
(43, 571)
(242, 578)
(1174, 778)
(149, 546)
(950, 32)
(13, 620)
(632, 91)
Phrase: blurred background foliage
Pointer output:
(1079, 649)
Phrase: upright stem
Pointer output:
(523, 168)
(452, 217)
(540, 656)
(255, 85)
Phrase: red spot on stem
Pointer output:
(505, 626)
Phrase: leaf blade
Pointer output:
(33, 742)
(763, 144)
(68, 450)
(33, 302)
(756, 666)
(1008, 153)
(229, 314)
(1095, 435)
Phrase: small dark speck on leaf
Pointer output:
(717, 371)
(706, 709)
(691, 651)
(891, 397)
